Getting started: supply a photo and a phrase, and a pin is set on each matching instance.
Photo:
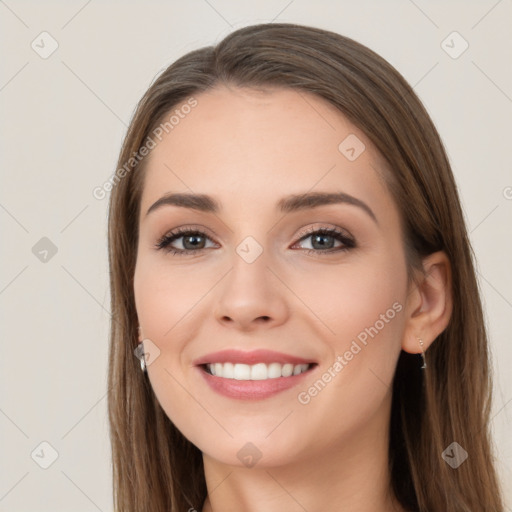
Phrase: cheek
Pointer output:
(349, 299)
(360, 311)
(169, 301)
(364, 307)
(167, 296)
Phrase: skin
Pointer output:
(248, 149)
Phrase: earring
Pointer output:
(139, 353)
(422, 354)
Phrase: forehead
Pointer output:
(251, 147)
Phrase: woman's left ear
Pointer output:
(429, 304)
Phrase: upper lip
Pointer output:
(250, 357)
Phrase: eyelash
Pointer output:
(164, 242)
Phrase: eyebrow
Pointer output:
(291, 203)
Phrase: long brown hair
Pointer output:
(155, 468)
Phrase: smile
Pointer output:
(253, 375)
(259, 371)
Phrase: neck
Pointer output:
(351, 476)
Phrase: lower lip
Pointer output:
(252, 389)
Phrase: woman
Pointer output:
(289, 261)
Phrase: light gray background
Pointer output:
(63, 119)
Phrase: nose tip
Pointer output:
(250, 297)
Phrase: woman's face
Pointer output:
(259, 280)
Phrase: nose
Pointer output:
(251, 296)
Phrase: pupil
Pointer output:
(194, 239)
(321, 240)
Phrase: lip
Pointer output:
(251, 357)
(252, 389)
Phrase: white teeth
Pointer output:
(227, 369)
(274, 370)
(297, 369)
(241, 372)
(260, 371)
(287, 370)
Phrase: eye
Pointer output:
(192, 240)
(323, 241)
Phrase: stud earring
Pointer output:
(422, 354)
